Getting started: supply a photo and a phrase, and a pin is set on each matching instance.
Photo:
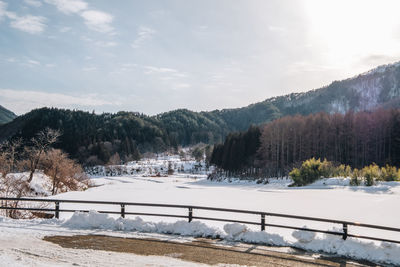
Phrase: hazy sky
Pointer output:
(153, 56)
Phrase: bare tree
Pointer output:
(8, 156)
(9, 184)
(41, 144)
(65, 174)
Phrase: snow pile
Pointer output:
(95, 220)
(304, 237)
(353, 248)
(240, 232)
(234, 229)
(90, 220)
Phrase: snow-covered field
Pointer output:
(329, 198)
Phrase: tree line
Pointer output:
(354, 139)
(238, 153)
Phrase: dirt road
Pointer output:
(204, 251)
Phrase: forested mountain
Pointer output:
(6, 115)
(355, 139)
(94, 138)
(379, 87)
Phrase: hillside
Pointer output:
(6, 115)
(379, 87)
(95, 138)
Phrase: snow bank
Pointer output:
(95, 220)
(383, 252)
(353, 248)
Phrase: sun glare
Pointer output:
(352, 30)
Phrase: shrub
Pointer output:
(310, 171)
(355, 177)
(370, 173)
(389, 173)
(342, 171)
(327, 169)
(314, 169)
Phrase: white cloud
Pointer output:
(94, 19)
(30, 24)
(23, 101)
(33, 62)
(151, 70)
(69, 6)
(34, 3)
(3, 8)
(106, 44)
(144, 33)
(30, 63)
(166, 74)
(10, 15)
(98, 20)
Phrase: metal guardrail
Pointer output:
(345, 224)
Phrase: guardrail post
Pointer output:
(57, 210)
(123, 210)
(345, 229)
(190, 214)
(262, 222)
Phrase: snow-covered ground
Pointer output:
(21, 244)
(328, 198)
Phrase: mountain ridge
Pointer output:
(130, 133)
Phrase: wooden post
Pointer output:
(345, 229)
(123, 210)
(262, 222)
(190, 214)
(57, 211)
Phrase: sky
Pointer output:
(158, 55)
